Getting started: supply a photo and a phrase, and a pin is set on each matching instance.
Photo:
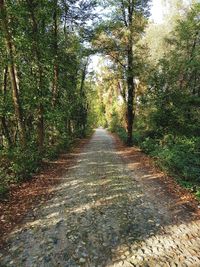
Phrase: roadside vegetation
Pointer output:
(44, 99)
(166, 105)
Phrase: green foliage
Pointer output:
(121, 132)
(198, 194)
(114, 122)
(179, 156)
(182, 158)
(65, 144)
(168, 123)
(50, 106)
(149, 146)
(57, 101)
(20, 164)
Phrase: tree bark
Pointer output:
(55, 67)
(130, 83)
(83, 109)
(130, 77)
(5, 129)
(36, 50)
(13, 74)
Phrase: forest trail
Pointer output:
(102, 215)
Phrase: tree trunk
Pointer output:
(40, 128)
(55, 67)
(13, 74)
(5, 129)
(130, 78)
(6, 132)
(36, 50)
(83, 108)
(130, 83)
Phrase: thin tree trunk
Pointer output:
(13, 74)
(40, 128)
(6, 132)
(55, 67)
(40, 109)
(83, 109)
(130, 80)
(130, 115)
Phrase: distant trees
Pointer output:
(118, 39)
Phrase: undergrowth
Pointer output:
(178, 156)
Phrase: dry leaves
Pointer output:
(23, 198)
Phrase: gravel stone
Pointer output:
(100, 215)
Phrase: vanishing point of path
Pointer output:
(101, 215)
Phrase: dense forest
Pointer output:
(43, 98)
(146, 88)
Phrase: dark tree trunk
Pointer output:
(130, 77)
(83, 109)
(130, 83)
(55, 67)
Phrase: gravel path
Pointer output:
(101, 216)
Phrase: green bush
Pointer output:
(150, 146)
(137, 138)
(114, 123)
(121, 132)
(18, 164)
(181, 158)
(52, 152)
(24, 162)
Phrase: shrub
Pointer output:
(179, 156)
(150, 146)
(114, 123)
(52, 152)
(18, 164)
(121, 132)
(137, 138)
(182, 158)
(24, 162)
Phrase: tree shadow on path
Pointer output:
(101, 215)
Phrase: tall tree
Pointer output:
(12, 71)
(32, 9)
(118, 40)
(5, 128)
(55, 50)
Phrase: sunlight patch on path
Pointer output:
(101, 216)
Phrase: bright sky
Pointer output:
(156, 11)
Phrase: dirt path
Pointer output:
(102, 215)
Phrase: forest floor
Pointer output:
(110, 208)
